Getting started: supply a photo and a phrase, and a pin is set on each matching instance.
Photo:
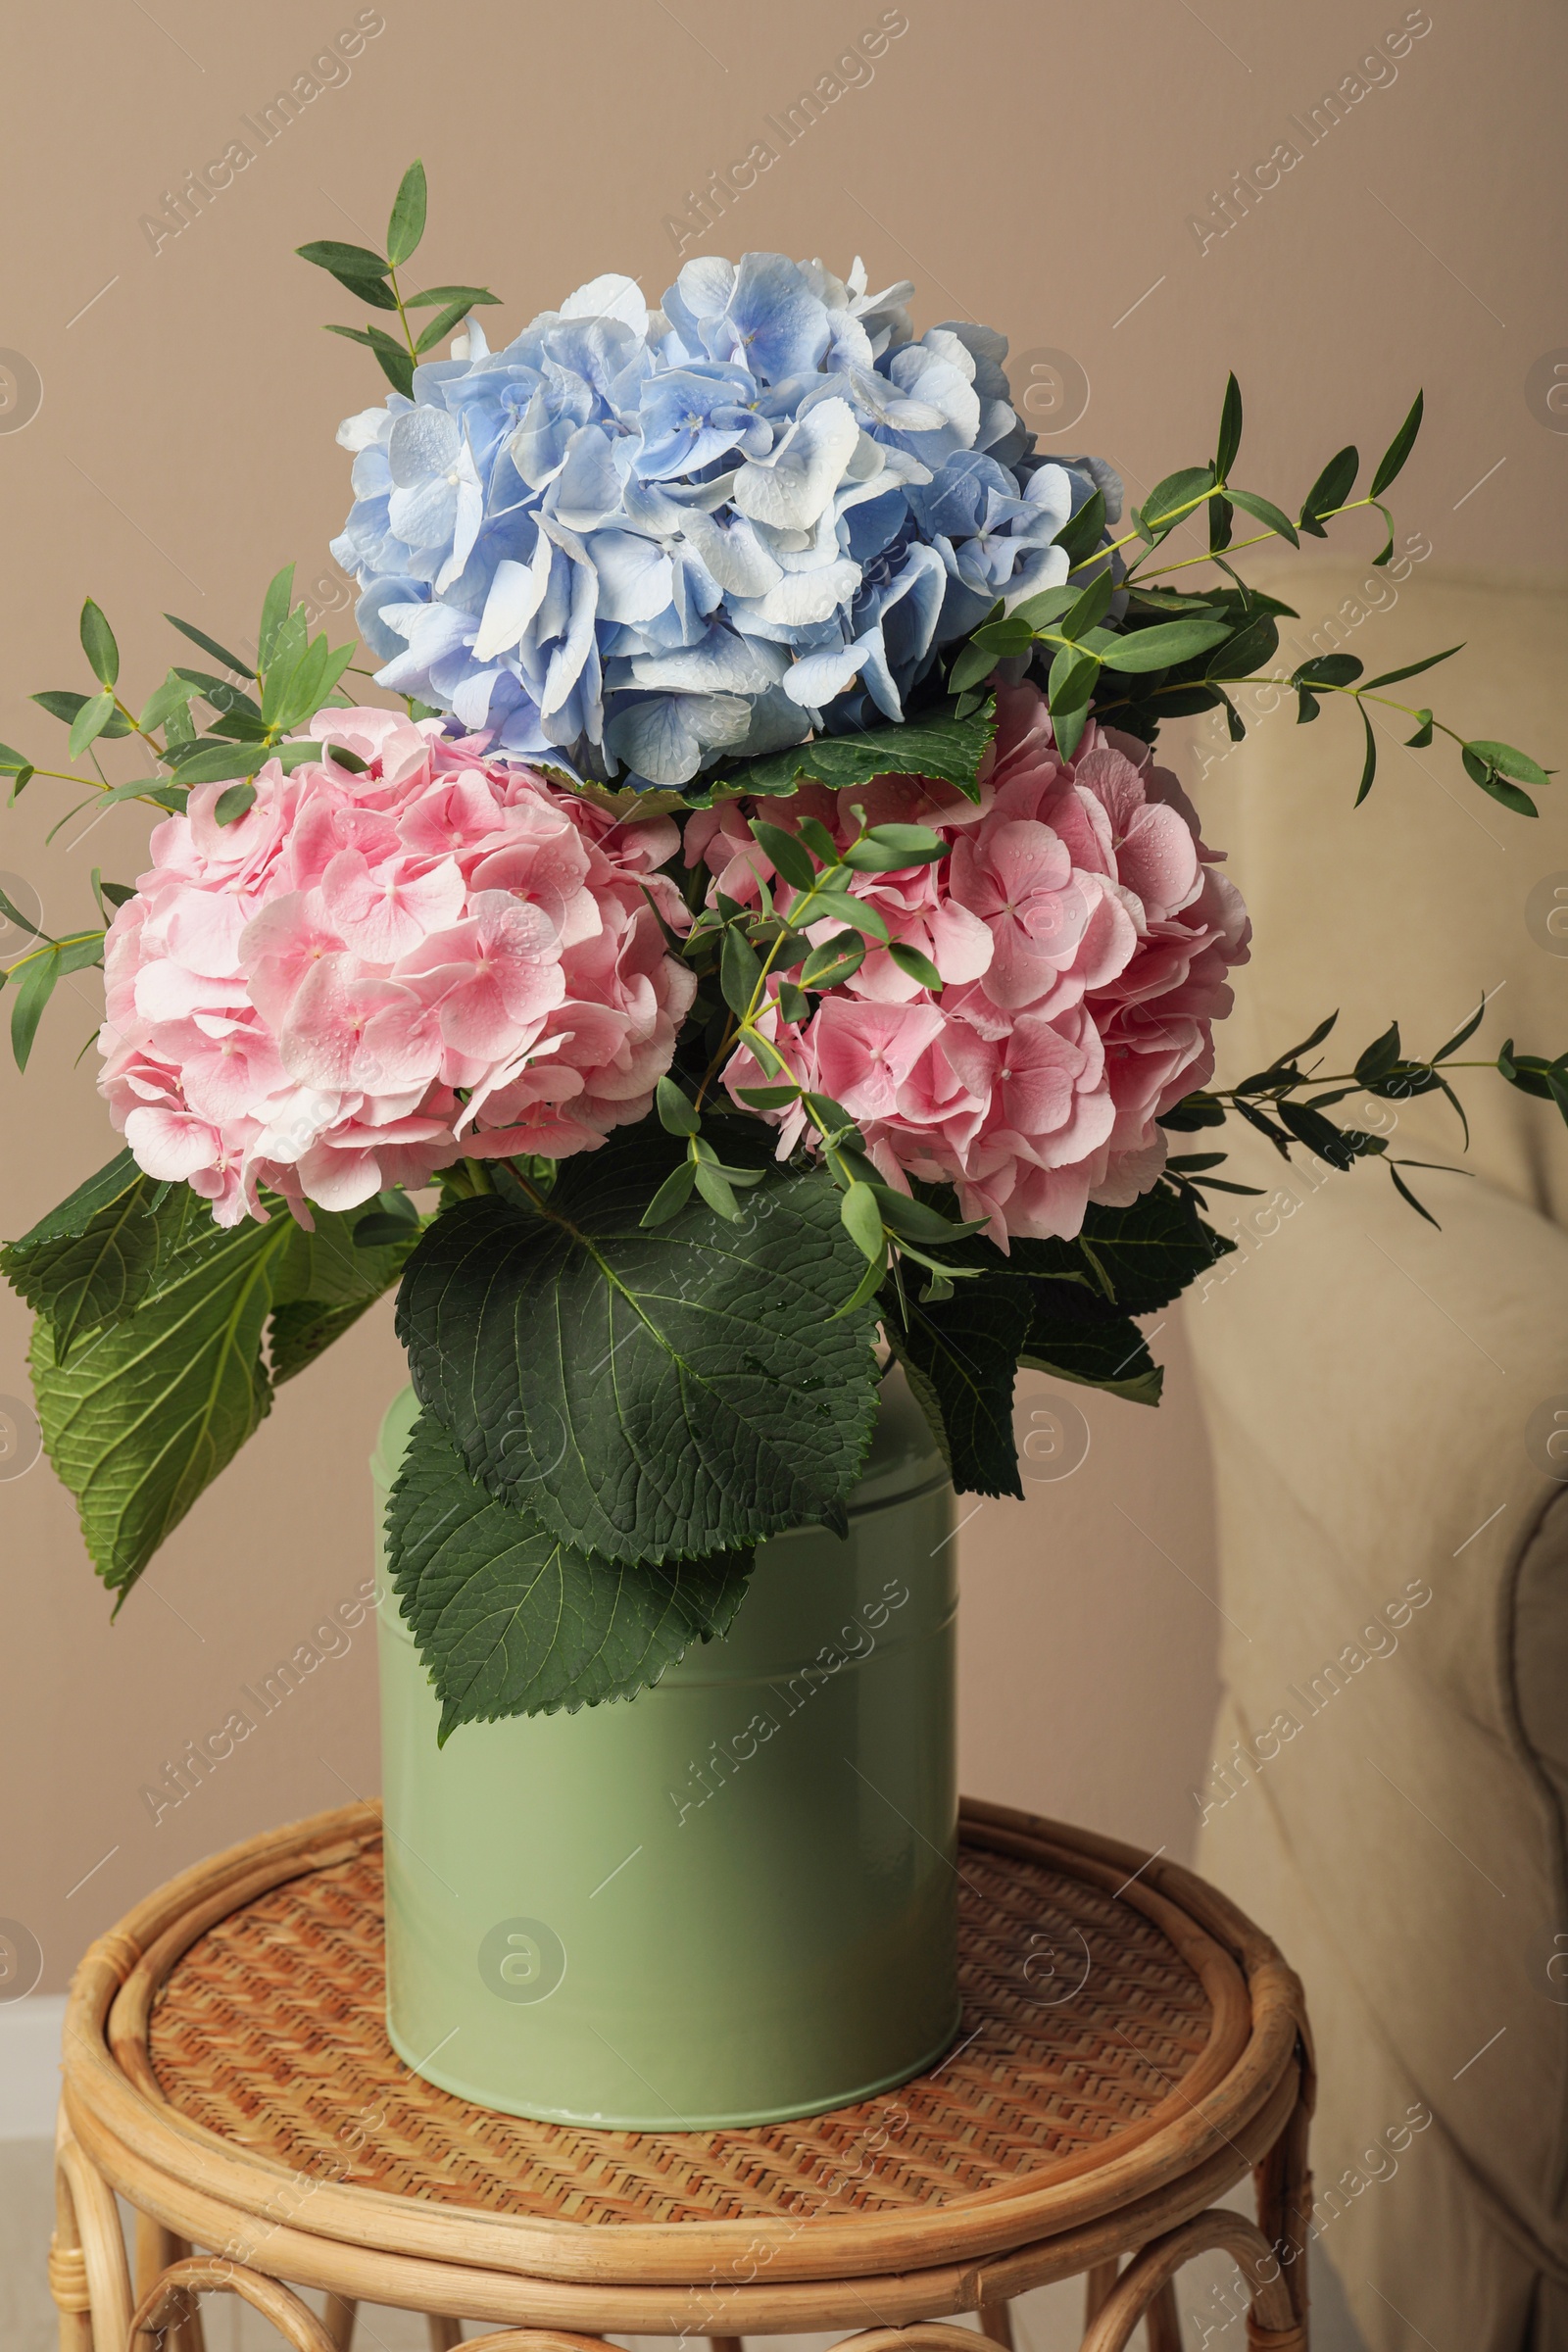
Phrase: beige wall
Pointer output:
(1035, 166)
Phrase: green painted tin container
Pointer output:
(731, 1899)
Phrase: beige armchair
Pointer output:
(1388, 1413)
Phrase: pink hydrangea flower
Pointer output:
(1083, 936)
(370, 975)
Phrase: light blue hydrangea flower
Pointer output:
(634, 540)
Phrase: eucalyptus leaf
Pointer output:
(406, 228)
(39, 975)
(676, 1115)
(1330, 491)
(1164, 644)
(1369, 764)
(860, 1215)
(739, 968)
(1265, 510)
(672, 1194)
(210, 645)
(1328, 669)
(215, 763)
(1091, 607)
(172, 695)
(1392, 459)
(1508, 761)
(1413, 669)
(98, 644)
(472, 295)
(836, 961)
(1171, 501)
(66, 706)
(90, 722)
(444, 323)
(1510, 796)
(918, 967)
(834, 906)
(275, 608)
(1080, 535)
(372, 290)
(1230, 430)
(396, 362)
(358, 261)
(1072, 681)
(13, 914)
(1246, 651)
(970, 664)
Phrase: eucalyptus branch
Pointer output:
(373, 278)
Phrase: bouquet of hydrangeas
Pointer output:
(758, 943)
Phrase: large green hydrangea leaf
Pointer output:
(651, 1393)
(510, 1620)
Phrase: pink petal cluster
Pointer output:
(1083, 937)
(370, 975)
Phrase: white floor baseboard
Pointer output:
(30, 2065)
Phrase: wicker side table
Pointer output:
(1132, 2049)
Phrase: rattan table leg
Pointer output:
(1096, 2289)
(1162, 2321)
(995, 2321)
(177, 2290)
(67, 2272)
(1272, 2325)
(157, 2250)
(338, 2320)
(1284, 2184)
(724, 2343)
(89, 2257)
(444, 2332)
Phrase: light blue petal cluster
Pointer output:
(637, 540)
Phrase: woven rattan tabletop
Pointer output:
(1128, 2041)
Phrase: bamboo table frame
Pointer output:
(1143, 2184)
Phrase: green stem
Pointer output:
(1286, 1086)
(137, 728)
(1358, 694)
(51, 946)
(1168, 525)
(1161, 571)
(747, 1020)
(403, 317)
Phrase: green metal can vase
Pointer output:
(729, 1900)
